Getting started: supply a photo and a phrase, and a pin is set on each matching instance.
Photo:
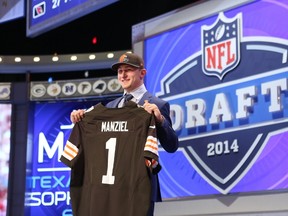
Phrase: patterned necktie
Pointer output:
(127, 97)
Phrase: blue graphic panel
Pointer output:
(225, 78)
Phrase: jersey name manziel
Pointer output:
(114, 126)
(111, 153)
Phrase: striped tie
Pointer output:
(127, 97)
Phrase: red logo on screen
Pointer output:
(39, 10)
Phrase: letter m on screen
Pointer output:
(44, 149)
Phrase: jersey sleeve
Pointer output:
(73, 157)
(72, 150)
(151, 148)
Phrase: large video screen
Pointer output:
(5, 131)
(225, 75)
(47, 178)
(43, 16)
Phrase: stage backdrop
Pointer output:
(225, 77)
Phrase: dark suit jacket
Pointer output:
(165, 133)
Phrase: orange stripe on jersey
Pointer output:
(71, 155)
(70, 151)
(151, 140)
(71, 148)
(151, 146)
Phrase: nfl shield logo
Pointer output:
(221, 46)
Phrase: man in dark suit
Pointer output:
(131, 72)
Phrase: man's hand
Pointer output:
(77, 115)
(153, 108)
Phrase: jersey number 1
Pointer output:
(111, 146)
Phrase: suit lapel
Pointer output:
(114, 103)
(146, 96)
